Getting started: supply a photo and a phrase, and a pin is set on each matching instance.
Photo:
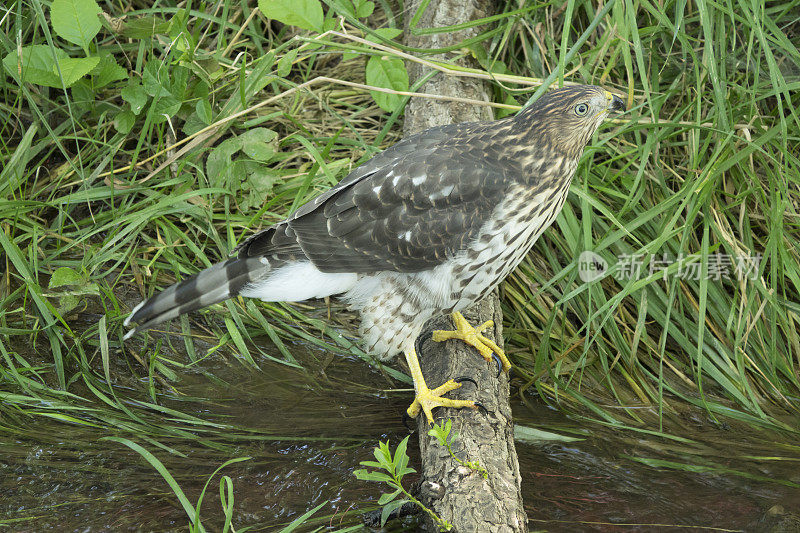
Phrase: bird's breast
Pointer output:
(395, 305)
(504, 241)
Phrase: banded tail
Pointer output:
(252, 277)
(216, 283)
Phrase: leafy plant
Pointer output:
(165, 86)
(384, 70)
(442, 433)
(71, 287)
(395, 467)
(76, 22)
(389, 73)
(250, 173)
(306, 14)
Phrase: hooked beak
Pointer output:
(616, 104)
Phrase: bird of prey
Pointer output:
(428, 226)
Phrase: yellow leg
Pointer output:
(426, 399)
(473, 337)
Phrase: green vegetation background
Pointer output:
(139, 145)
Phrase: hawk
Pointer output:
(428, 226)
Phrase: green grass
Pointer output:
(705, 163)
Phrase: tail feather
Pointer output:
(214, 284)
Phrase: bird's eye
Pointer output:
(581, 109)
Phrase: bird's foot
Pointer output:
(473, 336)
(427, 399)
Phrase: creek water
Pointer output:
(306, 431)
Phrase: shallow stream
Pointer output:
(307, 430)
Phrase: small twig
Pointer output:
(445, 68)
(239, 33)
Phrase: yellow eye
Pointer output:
(581, 109)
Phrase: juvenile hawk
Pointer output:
(428, 226)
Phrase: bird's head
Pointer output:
(566, 118)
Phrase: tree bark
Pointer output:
(456, 493)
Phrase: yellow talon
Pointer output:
(426, 399)
(472, 336)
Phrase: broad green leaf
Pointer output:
(177, 81)
(154, 80)
(65, 276)
(165, 107)
(192, 125)
(387, 497)
(144, 27)
(384, 456)
(37, 65)
(306, 14)
(76, 21)
(256, 143)
(388, 508)
(259, 143)
(386, 33)
(502, 113)
(363, 8)
(388, 73)
(285, 63)
(400, 456)
(203, 110)
(403, 470)
(219, 161)
(108, 71)
(330, 24)
(248, 179)
(136, 96)
(83, 98)
(366, 475)
(75, 68)
(438, 433)
(347, 56)
(124, 121)
(401, 459)
(67, 301)
(532, 435)
(258, 184)
(354, 8)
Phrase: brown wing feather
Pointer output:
(408, 216)
(407, 209)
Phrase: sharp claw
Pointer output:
(499, 364)
(481, 406)
(406, 419)
(465, 378)
(425, 335)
